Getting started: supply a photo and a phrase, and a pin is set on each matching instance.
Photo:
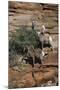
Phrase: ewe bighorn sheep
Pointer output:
(44, 40)
(34, 56)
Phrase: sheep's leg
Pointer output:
(51, 46)
(42, 45)
(33, 61)
(40, 63)
(32, 65)
(22, 59)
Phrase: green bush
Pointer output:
(21, 39)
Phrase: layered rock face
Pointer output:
(22, 14)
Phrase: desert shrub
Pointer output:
(20, 40)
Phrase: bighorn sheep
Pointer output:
(34, 56)
(45, 40)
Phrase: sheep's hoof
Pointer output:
(40, 66)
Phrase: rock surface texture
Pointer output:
(22, 14)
